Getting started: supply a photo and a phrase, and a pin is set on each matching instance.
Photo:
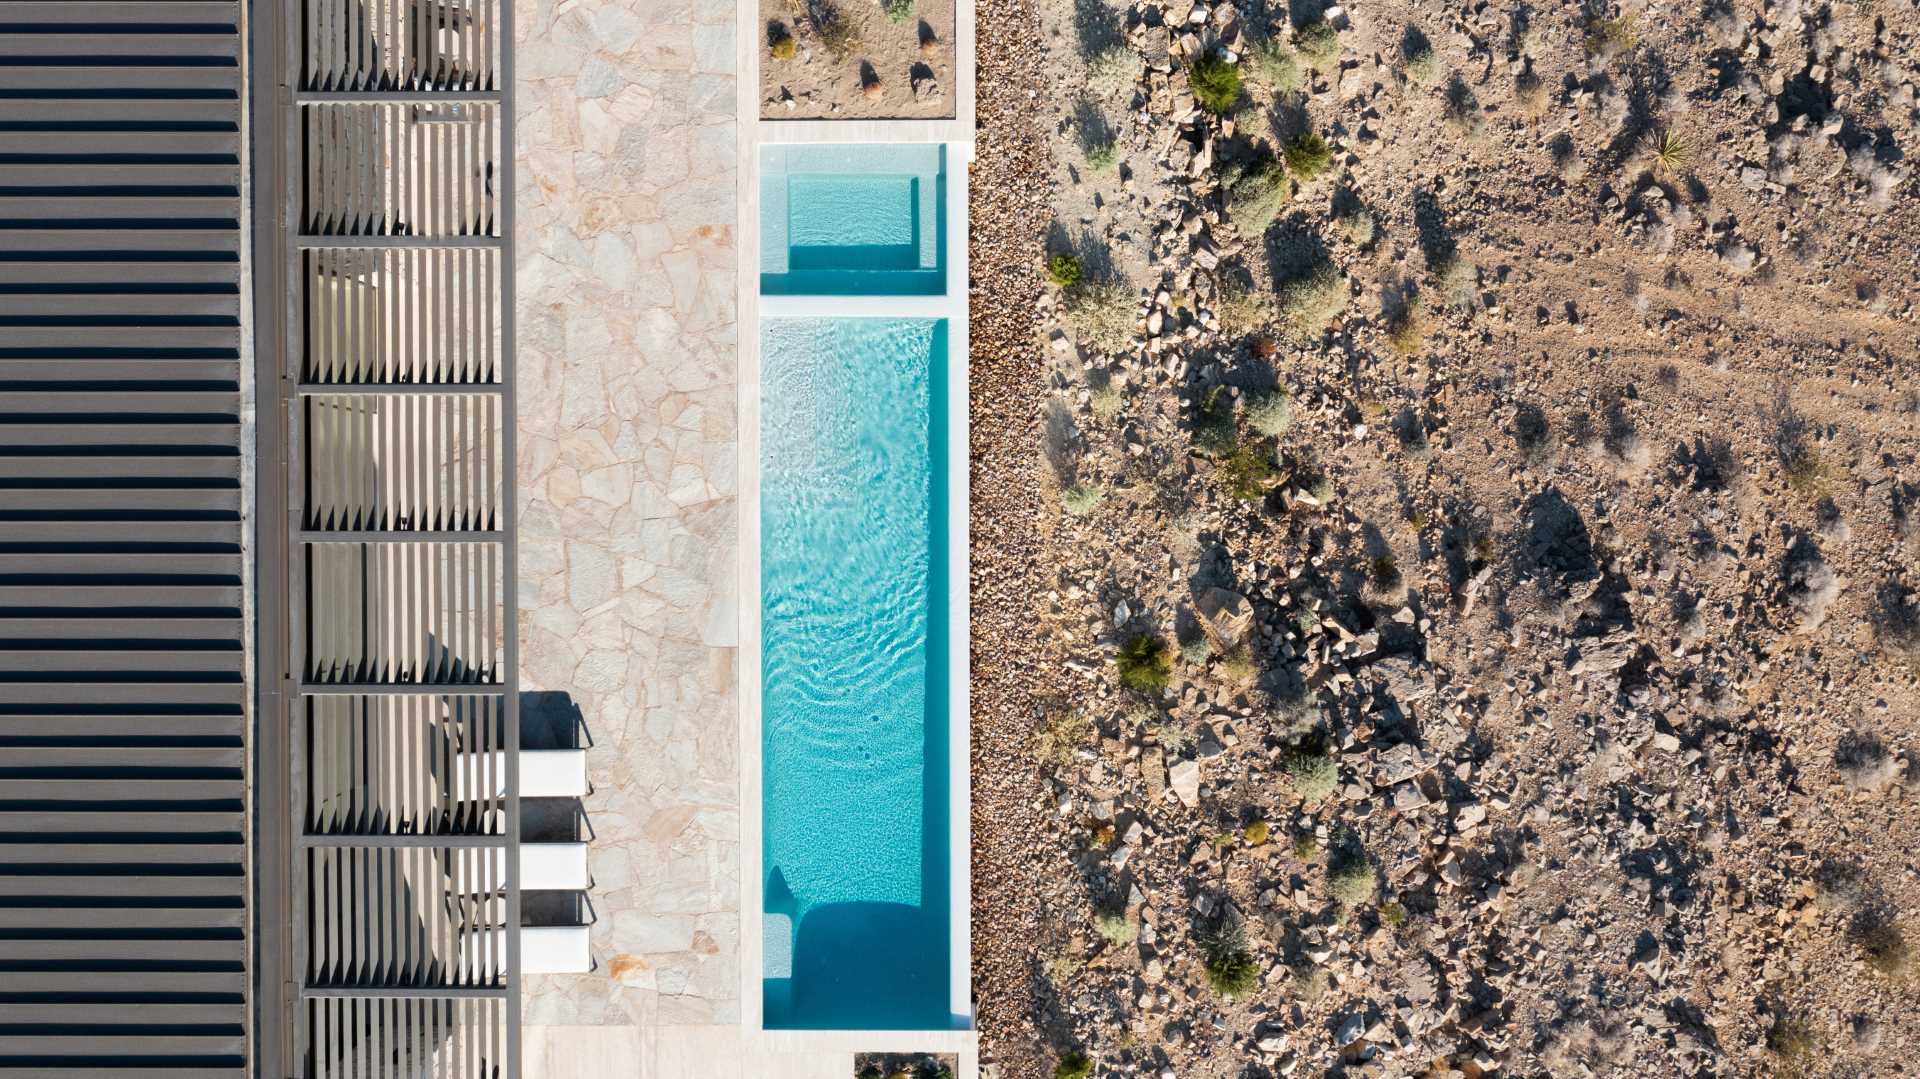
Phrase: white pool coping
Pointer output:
(957, 135)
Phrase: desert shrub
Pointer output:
(1115, 927)
(1272, 63)
(1081, 498)
(898, 10)
(1457, 281)
(1315, 297)
(1406, 329)
(1306, 847)
(1257, 193)
(1359, 225)
(1530, 92)
(1318, 43)
(1216, 83)
(1352, 881)
(1392, 914)
(1308, 155)
(1804, 471)
(1059, 735)
(831, 25)
(1862, 760)
(1074, 1065)
(1256, 833)
(1174, 736)
(1251, 470)
(1102, 156)
(1271, 413)
(1214, 433)
(1102, 314)
(1106, 398)
(780, 43)
(1196, 650)
(1113, 70)
(1144, 666)
(1607, 38)
(1312, 770)
(1231, 969)
(1463, 114)
(1320, 486)
(1064, 270)
(1239, 666)
(1241, 311)
(1896, 620)
(1423, 66)
(1794, 1041)
(1884, 948)
(1666, 152)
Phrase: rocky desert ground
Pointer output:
(1445, 548)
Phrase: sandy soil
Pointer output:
(883, 68)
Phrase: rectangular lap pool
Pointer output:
(853, 220)
(858, 929)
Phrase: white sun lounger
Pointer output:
(544, 773)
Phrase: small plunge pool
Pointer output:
(853, 220)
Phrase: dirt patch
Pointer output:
(856, 60)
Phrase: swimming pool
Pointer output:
(858, 928)
(853, 220)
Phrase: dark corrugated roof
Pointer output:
(123, 727)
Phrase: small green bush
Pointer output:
(1306, 848)
(1352, 881)
(1075, 1065)
(1251, 470)
(1257, 193)
(1106, 398)
(1458, 281)
(1271, 413)
(1144, 666)
(1231, 969)
(1392, 914)
(898, 10)
(1081, 498)
(1214, 433)
(1059, 735)
(1794, 1041)
(1359, 224)
(1273, 64)
(1885, 949)
(1113, 71)
(1239, 666)
(1102, 314)
(1103, 155)
(1115, 927)
(1256, 833)
(1216, 84)
(1195, 651)
(835, 31)
(1241, 311)
(1313, 771)
(1315, 297)
(1064, 270)
(1174, 736)
(1423, 67)
(1318, 43)
(1308, 155)
(780, 43)
(1608, 38)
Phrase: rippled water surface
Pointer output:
(854, 719)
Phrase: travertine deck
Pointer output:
(627, 459)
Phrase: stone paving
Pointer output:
(627, 478)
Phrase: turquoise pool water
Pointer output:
(853, 220)
(855, 775)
